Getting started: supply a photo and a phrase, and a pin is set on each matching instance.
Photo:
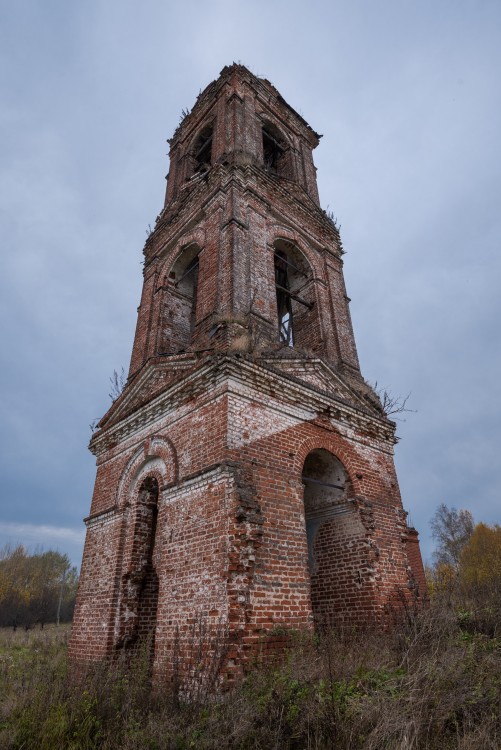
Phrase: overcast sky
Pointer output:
(407, 96)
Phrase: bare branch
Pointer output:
(117, 384)
(392, 404)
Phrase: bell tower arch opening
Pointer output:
(277, 155)
(293, 283)
(202, 150)
(273, 148)
(180, 306)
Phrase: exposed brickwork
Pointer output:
(245, 479)
(415, 560)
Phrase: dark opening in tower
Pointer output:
(202, 150)
(273, 150)
(188, 286)
(284, 300)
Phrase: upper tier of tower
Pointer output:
(242, 257)
(242, 119)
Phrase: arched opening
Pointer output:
(335, 538)
(273, 149)
(278, 157)
(294, 293)
(202, 150)
(180, 301)
(185, 277)
(138, 611)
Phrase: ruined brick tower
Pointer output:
(245, 475)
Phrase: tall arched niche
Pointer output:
(336, 539)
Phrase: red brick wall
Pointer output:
(231, 544)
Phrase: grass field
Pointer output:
(433, 683)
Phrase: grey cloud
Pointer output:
(405, 97)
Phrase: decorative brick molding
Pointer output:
(156, 457)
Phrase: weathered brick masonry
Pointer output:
(245, 475)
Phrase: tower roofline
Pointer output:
(229, 74)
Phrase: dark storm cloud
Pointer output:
(406, 97)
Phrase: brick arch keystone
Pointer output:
(281, 232)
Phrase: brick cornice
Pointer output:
(228, 371)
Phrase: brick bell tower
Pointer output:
(245, 475)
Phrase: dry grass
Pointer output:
(433, 683)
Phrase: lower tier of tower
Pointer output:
(230, 509)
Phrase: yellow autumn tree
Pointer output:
(442, 580)
(35, 588)
(480, 568)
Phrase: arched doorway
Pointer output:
(333, 532)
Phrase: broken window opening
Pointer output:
(202, 151)
(188, 286)
(179, 309)
(295, 292)
(273, 151)
(284, 299)
(194, 295)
